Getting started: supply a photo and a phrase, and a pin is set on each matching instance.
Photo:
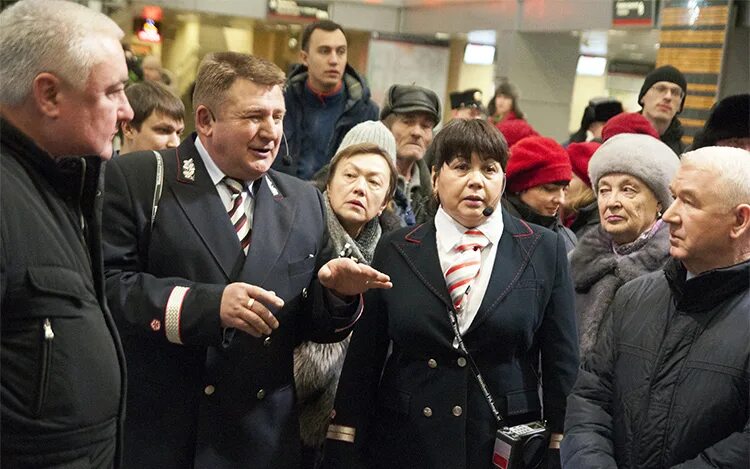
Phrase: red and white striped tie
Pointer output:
(236, 211)
(465, 269)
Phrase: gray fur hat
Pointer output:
(642, 156)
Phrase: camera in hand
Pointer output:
(520, 447)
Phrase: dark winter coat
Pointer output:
(598, 273)
(62, 387)
(317, 366)
(411, 397)
(358, 108)
(516, 207)
(666, 385)
(586, 219)
(672, 137)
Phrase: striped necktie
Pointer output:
(236, 211)
(465, 268)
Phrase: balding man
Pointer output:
(62, 385)
(666, 384)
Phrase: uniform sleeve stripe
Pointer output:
(172, 314)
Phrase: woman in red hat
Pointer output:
(538, 175)
(580, 212)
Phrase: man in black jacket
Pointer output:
(666, 383)
(662, 97)
(325, 97)
(62, 385)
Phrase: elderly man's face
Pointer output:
(413, 134)
(90, 117)
(699, 220)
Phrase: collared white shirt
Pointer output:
(217, 176)
(448, 235)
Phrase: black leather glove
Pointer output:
(553, 459)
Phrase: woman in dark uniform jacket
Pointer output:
(407, 397)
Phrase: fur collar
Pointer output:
(593, 258)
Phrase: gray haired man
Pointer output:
(62, 385)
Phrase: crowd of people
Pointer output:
(311, 280)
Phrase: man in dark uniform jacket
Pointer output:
(213, 293)
(62, 387)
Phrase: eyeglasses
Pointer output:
(676, 91)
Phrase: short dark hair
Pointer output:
(147, 97)
(325, 25)
(219, 70)
(462, 138)
(362, 149)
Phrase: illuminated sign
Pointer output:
(147, 30)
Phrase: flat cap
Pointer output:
(402, 99)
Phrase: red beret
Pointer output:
(580, 154)
(535, 161)
(628, 123)
(514, 130)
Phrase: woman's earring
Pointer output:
(658, 214)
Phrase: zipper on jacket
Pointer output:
(48, 336)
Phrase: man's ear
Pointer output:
(303, 57)
(128, 131)
(204, 120)
(741, 224)
(47, 89)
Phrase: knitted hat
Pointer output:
(515, 129)
(580, 154)
(665, 73)
(628, 123)
(402, 99)
(371, 132)
(730, 118)
(535, 161)
(642, 156)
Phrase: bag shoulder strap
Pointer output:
(158, 186)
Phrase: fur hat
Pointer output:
(730, 118)
(642, 156)
(580, 154)
(628, 123)
(402, 99)
(665, 73)
(468, 98)
(535, 161)
(515, 129)
(371, 132)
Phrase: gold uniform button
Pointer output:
(427, 412)
(461, 362)
(432, 363)
(457, 411)
(208, 390)
(267, 342)
(261, 394)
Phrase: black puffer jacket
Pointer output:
(667, 383)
